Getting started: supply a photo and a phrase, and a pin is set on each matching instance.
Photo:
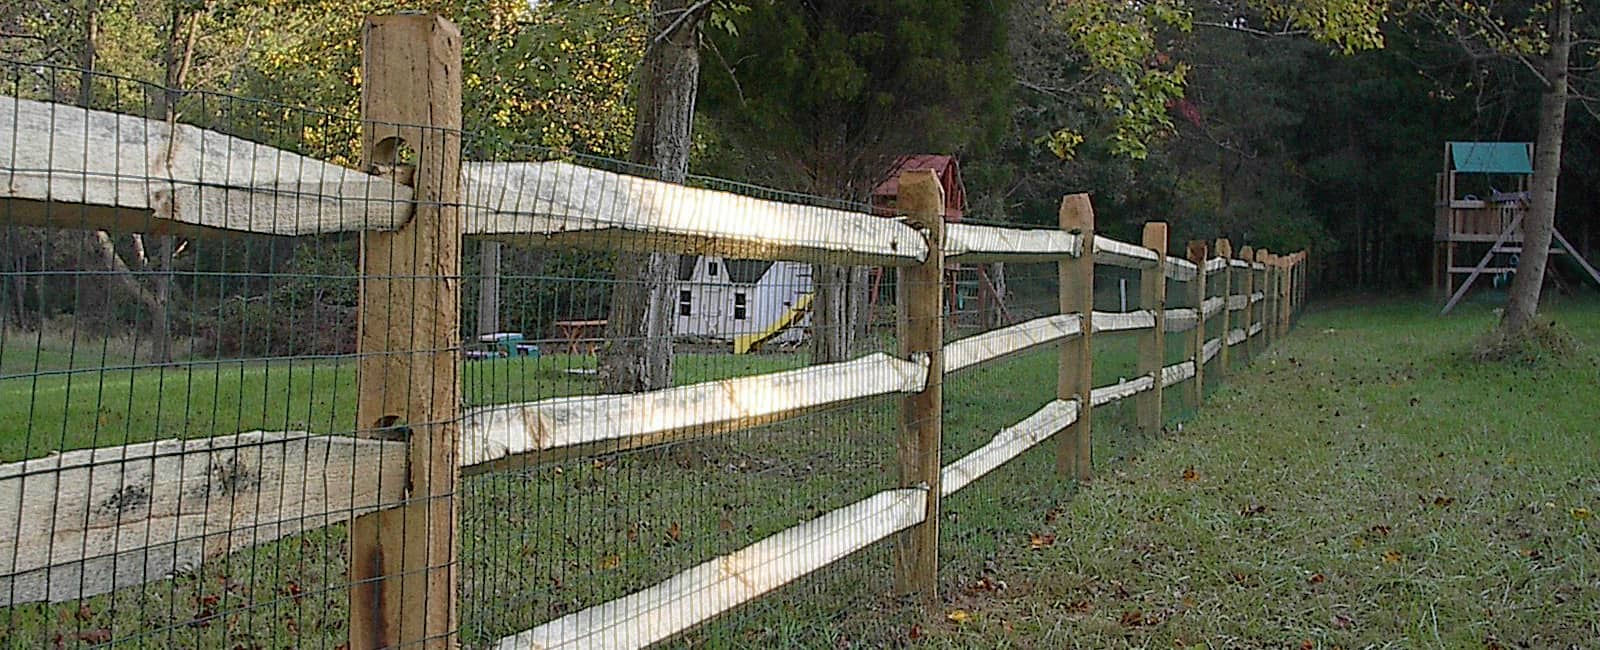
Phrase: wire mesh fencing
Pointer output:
(272, 377)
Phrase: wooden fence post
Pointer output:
(921, 200)
(1153, 346)
(1264, 284)
(1075, 378)
(403, 559)
(1196, 346)
(1225, 251)
(1248, 256)
(1285, 282)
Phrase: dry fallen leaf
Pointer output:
(675, 531)
(1581, 513)
(1317, 579)
(1133, 618)
(1190, 474)
(609, 562)
(958, 616)
(1392, 557)
(1038, 541)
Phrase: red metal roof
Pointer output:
(949, 170)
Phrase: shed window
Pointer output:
(738, 306)
(711, 269)
(684, 302)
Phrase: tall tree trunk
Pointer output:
(488, 287)
(86, 58)
(638, 355)
(1539, 224)
(830, 313)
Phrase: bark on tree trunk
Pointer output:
(638, 354)
(830, 313)
(1537, 227)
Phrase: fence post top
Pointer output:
(1224, 248)
(1155, 236)
(1077, 215)
(1247, 253)
(1197, 251)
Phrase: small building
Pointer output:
(745, 301)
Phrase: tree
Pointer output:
(639, 324)
(1539, 38)
(822, 96)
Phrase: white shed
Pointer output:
(727, 299)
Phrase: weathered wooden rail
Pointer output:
(118, 517)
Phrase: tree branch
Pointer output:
(1241, 28)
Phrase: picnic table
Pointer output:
(586, 335)
(509, 344)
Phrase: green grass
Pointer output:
(1324, 506)
(74, 402)
(1366, 484)
(536, 543)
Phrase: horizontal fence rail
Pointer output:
(119, 516)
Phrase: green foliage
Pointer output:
(821, 97)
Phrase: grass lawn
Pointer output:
(1365, 485)
(536, 543)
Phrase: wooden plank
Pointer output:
(403, 560)
(1179, 269)
(1238, 302)
(1111, 252)
(511, 435)
(560, 204)
(1213, 347)
(87, 522)
(1213, 305)
(1177, 373)
(1124, 321)
(62, 166)
(717, 586)
(1009, 443)
(1122, 390)
(1075, 366)
(1216, 264)
(1236, 336)
(1181, 319)
(1153, 343)
(971, 243)
(996, 344)
(921, 199)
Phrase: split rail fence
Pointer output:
(86, 522)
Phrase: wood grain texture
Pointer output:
(970, 243)
(997, 344)
(66, 167)
(87, 522)
(507, 435)
(921, 199)
(403, 560)
(560, 204)
(1009, 443)
(717, 586)
(1075, 364)
(1153, 343)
